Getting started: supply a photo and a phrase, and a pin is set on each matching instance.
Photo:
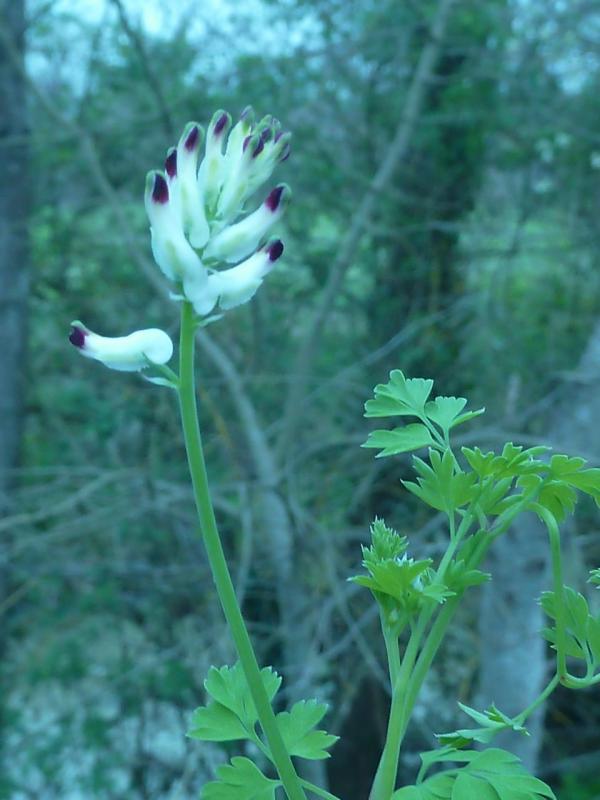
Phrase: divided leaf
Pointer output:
(297, 726)
(399, 397)
(231, 714)
(216, 723)
(493, 774)
(400, 440)
(491, 722)
(240, 780)
(582, 629)
(443, 485)
(445, 412)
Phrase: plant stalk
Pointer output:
(218, 563)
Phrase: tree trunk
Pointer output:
(14, 205)
(14, 279)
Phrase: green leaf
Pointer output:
(448, 753)
(492, 774)
(505, 773)
(443, 485)
(241, 780)
(459, 578)
(593, 637)
(296, 728)
(470, 787)
(400, 440)
(576, 621)
(445, 412)
(594, 577)
(491, 722)
(386, 406)
(216, 723)
(399, 397)
(386, 543)
(513, 462)
(228, 687)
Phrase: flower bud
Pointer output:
(125, 353)
(195, 226)
(210, 174)
(237, 241)
(239, 284)
(172, 251)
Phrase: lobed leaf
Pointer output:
(400, 440)
(240, 780)
(296, 727)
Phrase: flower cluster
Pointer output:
(194, 208)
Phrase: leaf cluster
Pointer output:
(408, 397)
(486, 775)
(231, 715)
(400, 584)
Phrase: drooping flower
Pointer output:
(131, 353)
(194, 208)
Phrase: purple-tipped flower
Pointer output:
(232, 287)
(131, 353)
(237, 241)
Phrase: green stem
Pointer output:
(218, 563)
(551, 686)
(385, 777)
(438, 629)
(393, 654)
(559, 591)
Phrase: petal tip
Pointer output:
(77, 334)
(277, 196)
(191, 137)
(221, 121)
(171, 163)
(160, 190)
(275, 249)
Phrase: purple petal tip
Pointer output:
(171, 163)
(273, 200)
(77, 336)
(160, 190)
(191, 140)
(275, 249)
(220, 124)
(259, 148)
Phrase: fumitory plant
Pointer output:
(215, 251)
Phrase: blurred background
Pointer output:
(446, 179)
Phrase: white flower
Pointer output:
(126, 353)
(232, 287)
(193, 209)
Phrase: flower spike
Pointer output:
(193, 208)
